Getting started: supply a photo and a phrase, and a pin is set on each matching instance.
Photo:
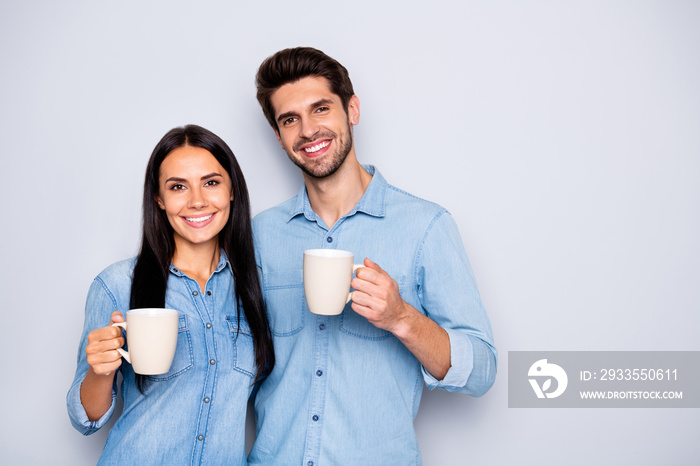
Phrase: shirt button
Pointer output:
(321, 326)
(319, 372)
(206, 400)
(212, 362)
(310, 463)
(195, 293)
(208, 293)
(201, 437)
(315, 418)
(329, 239)
(208, 325)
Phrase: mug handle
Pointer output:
(354, 269)
(125, 354)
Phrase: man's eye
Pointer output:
(289, 121)
(322, 109)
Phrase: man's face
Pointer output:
(314, 128)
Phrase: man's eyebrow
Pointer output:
(284, 116)
(321, 102)
(318, 103)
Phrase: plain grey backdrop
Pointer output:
(564, 137)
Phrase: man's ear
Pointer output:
(354, 110)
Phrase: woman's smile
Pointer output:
(198, 221)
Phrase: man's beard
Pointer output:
(331, 162)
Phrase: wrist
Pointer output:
(406, 323)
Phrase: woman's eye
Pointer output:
(211, 183)
(177, 187)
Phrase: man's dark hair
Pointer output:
(291, 65)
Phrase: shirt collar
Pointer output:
(223, 262)
(371, 203)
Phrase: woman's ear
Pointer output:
(160, 202)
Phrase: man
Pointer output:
(345, 389)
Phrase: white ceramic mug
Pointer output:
(327, 276)
(151, 335)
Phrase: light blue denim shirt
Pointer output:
(194, 414)
(344, 391)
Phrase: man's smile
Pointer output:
(316, 148)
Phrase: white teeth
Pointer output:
(317, 147)
(199, 219)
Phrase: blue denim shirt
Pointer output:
(194, 414)
(344, 391)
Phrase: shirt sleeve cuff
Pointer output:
(78, 416)
(461, 364)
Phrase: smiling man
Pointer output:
(345, 389)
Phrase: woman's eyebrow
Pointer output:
(183, 180)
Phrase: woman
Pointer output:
(196, 257)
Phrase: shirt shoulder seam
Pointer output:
(428, 229)
(106, 289)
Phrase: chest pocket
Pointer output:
(243, 350)
(354, 324)
(284, 298)
(184, 358)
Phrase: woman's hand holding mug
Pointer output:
(102, 347)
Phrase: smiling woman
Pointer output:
(196, 194)
(197, 258)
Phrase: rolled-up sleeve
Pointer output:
(448, 294)
(98, 309)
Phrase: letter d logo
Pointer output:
(542, 369)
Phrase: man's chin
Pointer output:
(319, 170)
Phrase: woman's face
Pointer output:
(196, 193)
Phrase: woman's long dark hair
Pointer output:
(236, 239)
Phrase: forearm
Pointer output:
(428, 342)
(96, 394)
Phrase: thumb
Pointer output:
(116, 317)
(372, 265)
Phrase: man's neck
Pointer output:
(336, 195)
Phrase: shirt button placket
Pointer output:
(203, 300)
(318, 391)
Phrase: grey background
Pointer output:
(562, 136)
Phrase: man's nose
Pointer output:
(309, 128)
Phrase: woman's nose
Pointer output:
(197, 199)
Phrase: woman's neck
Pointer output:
(197, 261)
